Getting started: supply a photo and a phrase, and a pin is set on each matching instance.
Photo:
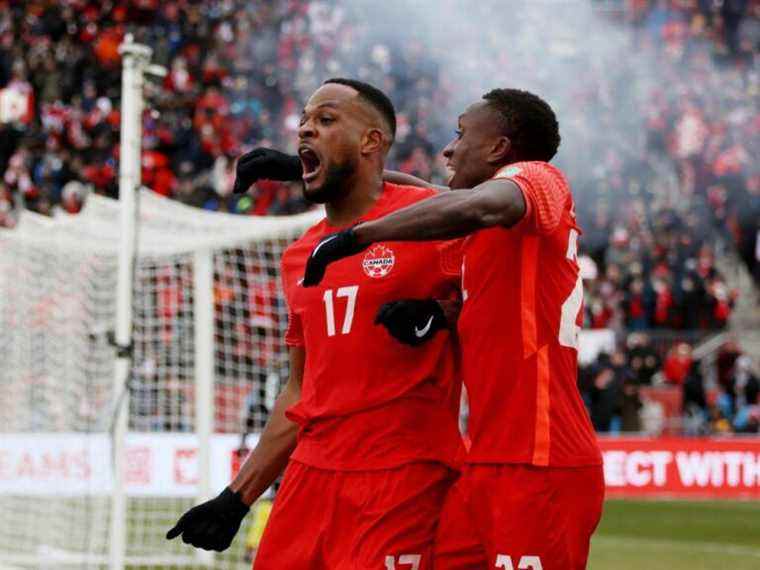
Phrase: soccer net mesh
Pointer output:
(57, 316)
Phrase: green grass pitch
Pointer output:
(633, 535)
(677, 535)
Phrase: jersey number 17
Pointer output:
(349, 293)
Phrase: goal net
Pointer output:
(207, 307)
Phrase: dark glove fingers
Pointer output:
(207, 536)
(212, 524)
(211, 538)
(243, 181)
(179, 527)
(330, 249)
(314, 273)
(234, 507)
(223, 537)
(290, 168)
(383, 314)
(200, 533)
(175, 531)
(247, 164)
(240, 186)
(268, 163)
(188, 536)
(255, 153)
(405, 318)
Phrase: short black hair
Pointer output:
(529, 122)
(373, 96)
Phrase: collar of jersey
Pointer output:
(370, 214)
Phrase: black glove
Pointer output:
(412, 321)
(265, 163)
(212, 525)
(329, 249)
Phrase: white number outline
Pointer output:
(411, 559)
(350, 292)
(526, 562)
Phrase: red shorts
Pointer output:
(355, 520)
(520, 517)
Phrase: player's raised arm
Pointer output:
(267, 164)
(270, 164)
(213, 525)
(445, 216)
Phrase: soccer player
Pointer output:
(533, 485)
(377, 442)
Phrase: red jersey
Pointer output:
(367, 400)
(519, 331)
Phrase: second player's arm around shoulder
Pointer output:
(449, 215)
(444, 216)
(497, 203)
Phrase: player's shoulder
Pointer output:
(296, 253)
(532, 169)
(400, 195)
(538, 179)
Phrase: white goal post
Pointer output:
(78, 488)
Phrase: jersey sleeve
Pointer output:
(294, 333)
(545, 191)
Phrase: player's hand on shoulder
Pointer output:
(412, 321)
(211, 525)
(329, 249)
(265, 164)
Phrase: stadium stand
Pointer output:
(660, 208)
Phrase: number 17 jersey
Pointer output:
(368, 401)
(518, 331)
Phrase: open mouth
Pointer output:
(310, 163)
(450, 172)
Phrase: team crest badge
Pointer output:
(378, 262)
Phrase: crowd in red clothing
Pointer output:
(238, 73)
(657, 103)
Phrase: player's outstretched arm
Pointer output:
(404, 179)
(444, 216)
(270, 456)
(270, 164)
(449, 215)
(213, 525)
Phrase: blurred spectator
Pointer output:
(678, 363)
(612, 392)
(742, 396)
(695, 402)
(642, 357)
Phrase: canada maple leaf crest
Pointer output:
(378, 261)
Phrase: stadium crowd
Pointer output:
(616, 389)
(661, 162)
